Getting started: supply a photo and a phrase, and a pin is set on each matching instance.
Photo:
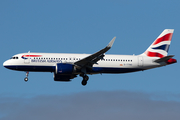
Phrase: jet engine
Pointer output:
(64, 72)
(64, 68)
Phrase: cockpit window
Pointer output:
(14, 57)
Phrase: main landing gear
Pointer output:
(85, 79)
(26, 78)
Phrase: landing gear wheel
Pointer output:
(86, 78)
(84, 82)
(25, 79)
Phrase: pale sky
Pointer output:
(86, 27)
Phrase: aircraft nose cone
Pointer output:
(9, 65)
(6, 64)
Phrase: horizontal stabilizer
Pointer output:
(164, 59)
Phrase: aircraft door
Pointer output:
(140, 61)
(27, 58)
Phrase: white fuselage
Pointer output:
(46, 62)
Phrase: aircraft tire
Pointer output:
(86, 78)
(25, 79)
(84, 82)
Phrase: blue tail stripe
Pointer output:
(163, 47)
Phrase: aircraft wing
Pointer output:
(92, 59)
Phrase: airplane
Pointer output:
(68, 66)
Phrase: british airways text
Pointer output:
(48, 61)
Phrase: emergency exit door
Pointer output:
(140, 61)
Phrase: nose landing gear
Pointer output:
(26, 78)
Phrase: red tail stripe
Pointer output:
(154, 54)
(166, 37)
(31, 55)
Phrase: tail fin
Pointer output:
(159, 48)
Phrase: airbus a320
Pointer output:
(68, 66)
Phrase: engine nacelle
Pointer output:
(65, 78)
(64, 68)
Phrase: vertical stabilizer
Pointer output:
(159, 48)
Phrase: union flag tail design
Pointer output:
(159, 48)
